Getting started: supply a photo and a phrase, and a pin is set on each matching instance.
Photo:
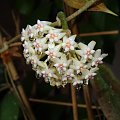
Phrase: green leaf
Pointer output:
(9, 107)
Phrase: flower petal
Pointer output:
(82, 46)
(91, 45)
(97, 53)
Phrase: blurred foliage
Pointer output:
(30, 11)
(108, 98)
(9, 107)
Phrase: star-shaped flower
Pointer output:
(24, 35)
(98, 57)
(28, 48)
(89, 74)
(40, 44)
(47, 73)
(62, 63)
(55, 35)
(42, 26)
(68, 75)
(53, 51)
(33, 60)
(68, 43)
(86, 51)
(78, 66)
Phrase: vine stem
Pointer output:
(85, 7)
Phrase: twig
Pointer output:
(17, 22)
(14, 39)
(5, 87)
(1, 41)
(15, 44)
(113, 32)
(59, 103)
(5, 32)
(88, 102)
(74, 103)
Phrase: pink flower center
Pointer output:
(37, 45)
(39, 26)
(98, 62)
(90, 77)
(68, 44)
(61, 66)
(52, 36)
(88, 52)
(51, 54)
(29, 32)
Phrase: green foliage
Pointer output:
(9, 107)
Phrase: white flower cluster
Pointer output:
(57, 57)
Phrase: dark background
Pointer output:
(31, 10)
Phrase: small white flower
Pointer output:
(26, 47)
(40, 45)
(61, 67)
(68, 43)
(34, 61)
(55, 35)
(97, 59)
(42, 26)
(78, 66)
(39, 26)
(77, 81)
(69, 75)
(24, 35)
(86, 51)
(48, 74)
(30, 31)
(53, 51)
(89, 74)
(61, 63)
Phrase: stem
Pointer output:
(60, 103)
(62, 18)
(14, 39)
(88, 102)
(85, 7)
(73, 92)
